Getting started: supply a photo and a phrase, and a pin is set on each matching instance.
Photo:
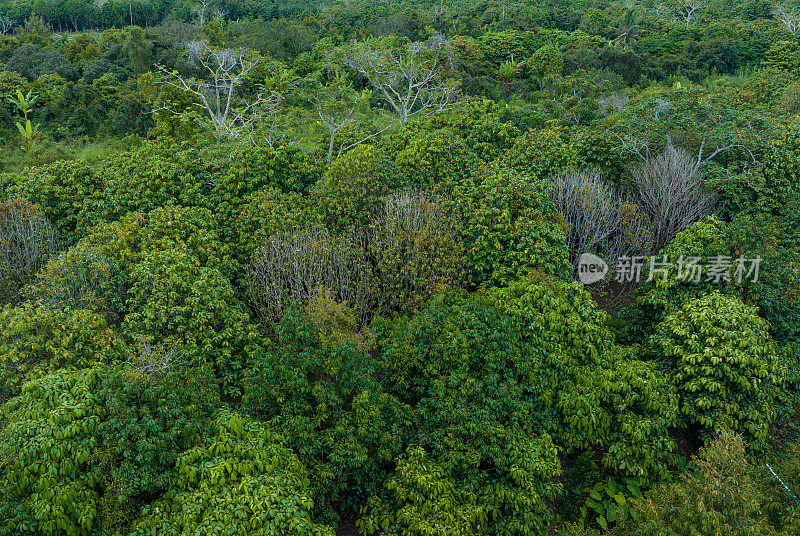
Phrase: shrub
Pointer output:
(10, 82)
(82, 277)
(351, 189)
(593, 392)
(65, 192)
(241, 479)
(175, 300)
(722, 497)
(267, 212)
(149, 423)
(36, 340)
(51, 472)
(721, 359)
(83, 450)
(27, 240)
(422, 499)
(97, 271)
(776, 292)
(773, 288)
(416, 249)
(483, 126)
(32, 60)
(666, 293)
(511, 227)
(155, 174)
(436, 160)
(478, 410)
(545, 62)
(538, 153)
(248, 169)
(316, 383)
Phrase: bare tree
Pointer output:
(228, 114)
(339, 108)
(410, 80)
(218, 15)
(613, 101)
(27, 241)
(590, 208)
(671, 189)
(6, 24)
(689, 9)
(296, 265)
(789, 18)
(151, 362)
(201, 9)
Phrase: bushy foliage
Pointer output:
(436, 160)
(596, 394)
(156, 174)
(50, 471)
(350, 191)
(546, 62)
(175, 300)
(316, 385)
(476, 411)
(511, 228)
(83, 449)
(65, 192)
(719, 355)
(482, 124)
(240, 480)
(666, 293)
(31, 61)
(771, 286)
(149, 425)
(37, 339)
(422, 499)
(776, 289)
(538, 153)
(721, 497)
(97, 271)
(247, 169)
(268, 212)
(423, 352)
(521, 370)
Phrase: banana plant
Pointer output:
(25, 105)
(510, 69)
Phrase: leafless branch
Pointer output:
(27, 241)
(411, 81)
(228, 115)
(152, 362)
(670, 187)
(789, 18)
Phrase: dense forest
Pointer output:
(317, 268)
